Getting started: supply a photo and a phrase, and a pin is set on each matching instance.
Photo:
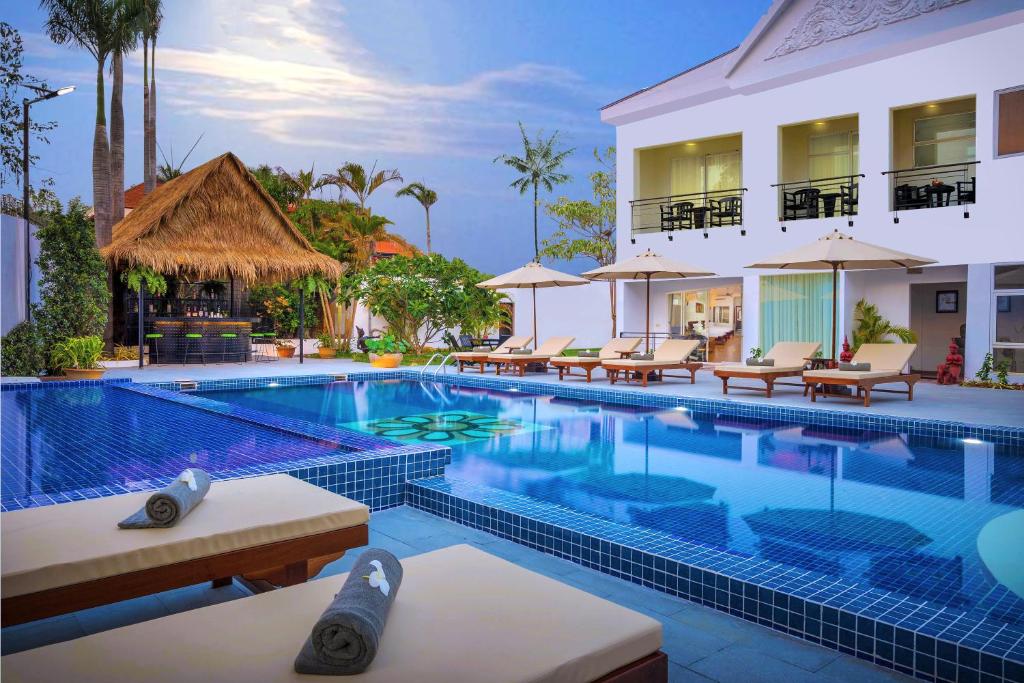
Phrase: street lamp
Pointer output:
(46, 94)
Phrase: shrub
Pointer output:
(389, 343)
(82, 353)
(21, 352)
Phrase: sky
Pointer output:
(434, 88)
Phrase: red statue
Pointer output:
(950, 371)
(846, 356)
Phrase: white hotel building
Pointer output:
(899, 122)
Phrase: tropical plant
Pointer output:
(425, 196)
(80, 353)
(354, 178)
(12, 79)
(327, 341)
(133, 278)
(387, 343)
(587, 228)
(303, 183)
(168, 170)
(103, 28)
(1003, 372)
(984, 373)
(539, 166)
(73, 284)
(872, 328)
(756, 353)
(21, 352)
(149, 27)
(280, 304)
(123, 352)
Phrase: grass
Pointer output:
(407, 359)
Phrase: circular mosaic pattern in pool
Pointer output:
(449, 427)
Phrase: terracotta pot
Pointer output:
(285, 351)
(327, 353)
(84, 373)
(385, 360)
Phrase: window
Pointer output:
(947, 139)
(833, 155)
(796, 308)
(1008, 341)
(706, 173)
(1010, 121)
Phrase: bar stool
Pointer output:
(266, 353)
(225, 340)
(194, 345)
(153, 341)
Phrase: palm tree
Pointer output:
(168, 170)
(149, 25)
(872, 328)
(302, 182)
(425, 196)
(93, 26)
(353, 177)
(540, 166)
(126, 22)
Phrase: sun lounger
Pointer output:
(67, 557)
(552, 347)
(464, 358)
(461, 616)
(790, 360)
(887, 363)
(613, 350)
(673, 354)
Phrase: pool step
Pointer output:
(186, 384)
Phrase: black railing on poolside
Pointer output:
(693, 211)
(928, 187)
(819, 198)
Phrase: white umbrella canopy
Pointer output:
(646, 266)
(533, 276)
(838, 251)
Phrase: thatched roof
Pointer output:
(216, 221)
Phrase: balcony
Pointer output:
(691, 185)
(819, 198)
(929, 187)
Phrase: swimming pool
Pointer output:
(894, 512)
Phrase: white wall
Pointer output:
(583, 312)
(12, 272)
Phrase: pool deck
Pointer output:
(931, 401)
(702, 644)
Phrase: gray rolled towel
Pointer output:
(761, 362)
(854, 367)
(346, 637)
(588, 354)
(642, 356)
(521, 352)
(169, 505)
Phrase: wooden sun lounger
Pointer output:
(480, 358)
(63, 558)
(671, 355)
(460, 615)
(615, 349)
(887, 363)
(541, 356)
(790, 359)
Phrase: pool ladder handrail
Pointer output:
(429, 361)
(443, 367)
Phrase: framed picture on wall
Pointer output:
(947, 301)
(698, 307)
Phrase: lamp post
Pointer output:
(47, 94)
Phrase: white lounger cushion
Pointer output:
(551, 347)
(886, 360)
(758, 369)
(62, 545)
(610, 351)
(510, 343)
(788, 357)
(461, 616)
(671, 352)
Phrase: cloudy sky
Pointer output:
(433, 88)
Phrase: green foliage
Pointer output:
(280, 303)
(422, 295)
(122, 352)
(277, 185)
(21, 352)
(388, 343)
(73, 286)
(984, 373)
(327, 341)
(872, 328)
(1003, 372)
(12, 80)
(756, 353)
(82, 353)
(156, 283)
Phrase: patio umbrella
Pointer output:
(533, 276)
(838, 251)
(647, 266)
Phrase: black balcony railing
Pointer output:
(928, 187)
(819, 198)
(694, 211)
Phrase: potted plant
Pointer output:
(285, 348)
(386, 352)
(124, 357)
(328, 347)
(79, 357)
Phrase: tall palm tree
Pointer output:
(91, 25)
(425, 196)
(353, 177)
(149, 26)
(126, 23)
(540, 166)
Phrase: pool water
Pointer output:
(894, 511)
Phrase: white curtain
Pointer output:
(833, 155)
(723, 171)
(706, 173)
(947, 139)
(687, 175)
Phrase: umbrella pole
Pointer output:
(835, 277)
(647, 333)
(534, 288)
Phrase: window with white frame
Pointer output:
(1008, 327)
(1009, 115)
(833, 155)
(946, 139)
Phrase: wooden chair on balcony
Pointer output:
(802, 203)
(726, 211)
(965, 191)
(909, 197)
(676, 215)
(848, 197)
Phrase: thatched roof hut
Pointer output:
(216, 222)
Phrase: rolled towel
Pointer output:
(854, 367)
(588, 354)
(642, 356)
(761, 362)
(168, 506)
(347, 635)
(521, 352)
